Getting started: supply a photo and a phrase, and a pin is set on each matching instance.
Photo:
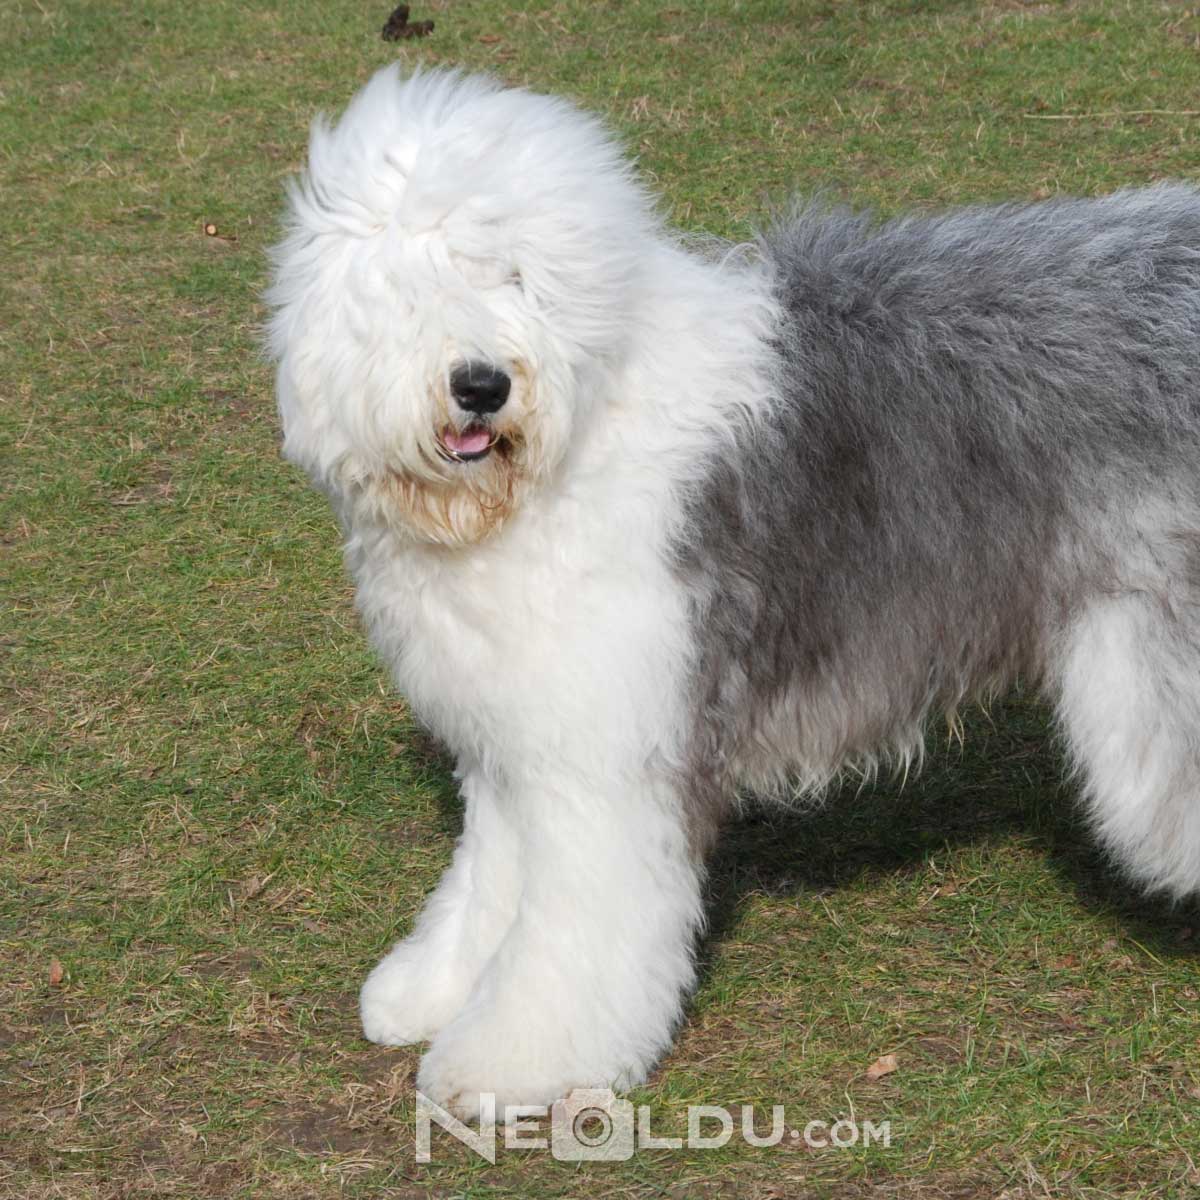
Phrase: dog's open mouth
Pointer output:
(469, 444)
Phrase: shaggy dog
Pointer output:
(639, 525)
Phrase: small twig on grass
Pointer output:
(1129, 112)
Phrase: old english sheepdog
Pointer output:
(639, 525)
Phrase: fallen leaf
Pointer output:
(882, 1066)
(254, 887)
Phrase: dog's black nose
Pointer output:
(479, 387)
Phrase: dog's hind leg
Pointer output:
(1130, 705)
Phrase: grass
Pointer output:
(215, 816)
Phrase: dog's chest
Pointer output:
(524, 638)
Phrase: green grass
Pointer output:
(215, 816)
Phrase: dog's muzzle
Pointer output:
(479, 389)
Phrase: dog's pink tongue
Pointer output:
(471, 441)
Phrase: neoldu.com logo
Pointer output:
(592, 1124)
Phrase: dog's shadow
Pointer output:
(1004, 778)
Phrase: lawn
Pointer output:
(214, 813)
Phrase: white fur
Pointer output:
(546, 647)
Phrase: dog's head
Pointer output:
(458, 272)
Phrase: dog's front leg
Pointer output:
(589, 982)
(425, 980)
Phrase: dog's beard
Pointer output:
(460, 503)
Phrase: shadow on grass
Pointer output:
(1006, 779)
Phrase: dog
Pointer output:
(641, 525)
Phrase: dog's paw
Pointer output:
(521, 1065)
(458, 1070)
(409, 996)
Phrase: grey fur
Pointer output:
(985, 422)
